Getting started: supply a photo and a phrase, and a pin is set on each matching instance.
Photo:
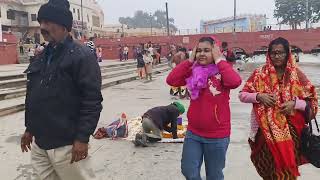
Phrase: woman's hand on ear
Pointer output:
(193, 55)
(217, 54)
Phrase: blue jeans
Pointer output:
(213, 151)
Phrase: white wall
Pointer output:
(89, 9)
(4, 7)
(32, 9)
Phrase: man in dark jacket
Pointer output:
(63, 100)
(157, 119)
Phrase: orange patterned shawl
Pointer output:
(273, 124)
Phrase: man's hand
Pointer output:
(26, 141)
(79, 151)
(287, 107)
(267, 100)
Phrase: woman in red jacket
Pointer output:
(209, 79)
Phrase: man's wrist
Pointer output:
(82, 142)
(82, 138)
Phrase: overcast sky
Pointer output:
(187, 13)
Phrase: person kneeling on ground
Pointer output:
(157, 119)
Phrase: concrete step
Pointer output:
(126, 71)
(11, 76)
(10, 72)
(23, 60)
(10, 93)
(16, 72)
(116, 64)
(130, 77)
(125, 66)
(13, 83)
(10, 106)
(119, 68)
(20, 80)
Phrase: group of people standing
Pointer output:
(147, 56)
(177, 54)
(123, 53)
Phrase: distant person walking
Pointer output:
(140, 63)
(147, 58)
(120, 52)
(126, 52)
(99, 53)
(92, 46)
(21, 47)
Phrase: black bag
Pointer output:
(310, 143)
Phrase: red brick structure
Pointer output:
(248, 41)
(8, 50)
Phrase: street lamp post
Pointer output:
(151, 19)
(122, 31)
(167, 13)
(81, 18)
(307, 15)
(234, 15)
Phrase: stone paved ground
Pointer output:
(120, 160)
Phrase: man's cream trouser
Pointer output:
(55, 164)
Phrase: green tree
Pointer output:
(314, 11)
(144, 20)
(293, 12)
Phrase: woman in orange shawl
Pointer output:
(280, 92)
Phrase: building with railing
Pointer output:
(244, 23)
(122, 30)
(20, 18)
